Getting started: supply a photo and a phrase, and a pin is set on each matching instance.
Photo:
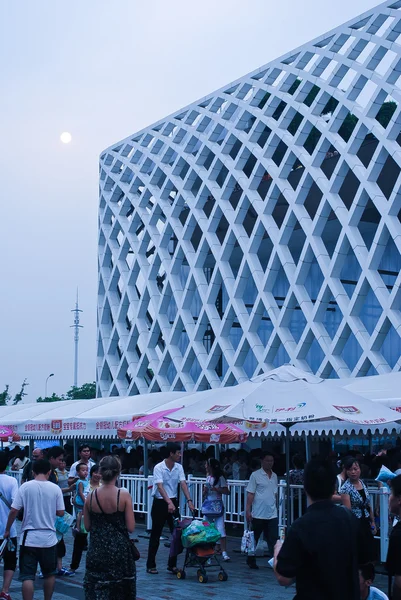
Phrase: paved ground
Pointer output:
(242, 582)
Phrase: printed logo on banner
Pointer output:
(215, 437)
(347, 409)
(56, 426)
(217, 408)
(167, 436)
(290, 408)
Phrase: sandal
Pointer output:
(172, 570)
(153, 571)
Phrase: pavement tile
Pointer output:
(242, 582)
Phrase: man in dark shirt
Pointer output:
(393, 562)
(27, 473)
(320, 549)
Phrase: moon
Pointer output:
(66, 137)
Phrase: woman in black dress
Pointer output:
(109, 518)
(356, 497)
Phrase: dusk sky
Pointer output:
(101, 70)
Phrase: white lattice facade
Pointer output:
(260, 225)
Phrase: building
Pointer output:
(260, 225)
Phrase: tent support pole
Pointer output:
(287, 474)
(31, 446)
(75, 449)
(307, 447)
(145, 458)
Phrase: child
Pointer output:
(366, 578)
(82, 487)
(214, 489)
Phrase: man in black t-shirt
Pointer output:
(320, 549)
(393, 562)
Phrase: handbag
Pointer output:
(136, 555)
(212, 508)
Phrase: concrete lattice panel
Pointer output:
(260, 225)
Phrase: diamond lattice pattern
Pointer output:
(260, 225)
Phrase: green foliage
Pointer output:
(385, 113)
(52, 398)
(18, 397)
(348, 126)
(330, 106)
(5, 396)
(86, 391)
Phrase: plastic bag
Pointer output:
(199, 533)
(248, 543)
(62, 524)
(384, 475)
(261, 547)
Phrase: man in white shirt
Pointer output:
(167, 475)
(261, 504)
(8, 491)
(42, 502)
(84, 453)
(366, 578)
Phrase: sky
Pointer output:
(101, 70)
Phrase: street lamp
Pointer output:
(47, 379)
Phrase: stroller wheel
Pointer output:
(181, 574)
(202, 578)
(222, 576)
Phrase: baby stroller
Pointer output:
(198, 538)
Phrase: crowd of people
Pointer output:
(54, 487)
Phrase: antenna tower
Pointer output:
(76, 327)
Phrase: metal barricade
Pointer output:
(16, 474)
(235, 502)
(140, 488)
(380, 498)
(137, 485)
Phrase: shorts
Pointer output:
(61, 551)
(29, 558)
(10, 557)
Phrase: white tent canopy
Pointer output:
(285, 395)
(98, 417)
(101, 417)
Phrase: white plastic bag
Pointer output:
(248, 543)
(261, 547)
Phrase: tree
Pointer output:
(18, 397)
(5, 396)
(385, 113)
(86, 391)
(52, 398)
